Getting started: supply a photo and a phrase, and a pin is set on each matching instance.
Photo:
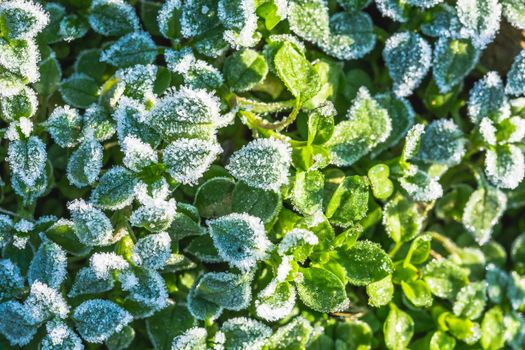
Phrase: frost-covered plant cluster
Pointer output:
(262, 174)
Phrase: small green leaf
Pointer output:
(398, 329)
(402, 219)
(115, 189)
(256, 202)
(417, 292)
(349, 203)
(380, 293)
(321, 290)
(244, 69)
(79, 90)
(214, 197)
(445, 278)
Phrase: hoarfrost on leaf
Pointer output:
(487, 99)
(192, 339)
(103, 264)
(516, 76)
(152, 251)
(443, 142)
(44, 302)
(245, 333)
(137, 154)
(27, 159)
(85, 163)
(132, 49)
(22, 19)
(505, 166)
(16, 323)
(92, 226)
(113, 17)
(60, 337)
(48, 265)
(480, 20)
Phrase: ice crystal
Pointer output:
(408, 58)
(102, 264)
(154, 215)
(392, 9)
(130, 116)
(21, 105)
(297, 238)
(96, 320)
(192, 339)
(189, 113)
(238, 16)
(424, 3)
(275, 301)
(44, 302)
(137, 154)
(487, 99)
(138, 81)
(444, 23)
(505, 166)
(48, 265)
(480, 20)
(64, 125)
(245, 333)
(442, 142)
(21, 19)
(92, 226)
(188, 159)
(516, 76)
(152, 251)
(60, 337)
(166, 15)
(262, 163)
(240, 239)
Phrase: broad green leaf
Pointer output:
(463, 329)
(442, 341)
(380, 293)
(256, 202)
(245, 333)
(131, 49)
(293, 335)
(214, 197)
(168, 323)
(470, 301)
(505, 166)
(321, 290)
(113, 18)
(79, 90)
(402, 219)
(115, 189)
(417, 292)
(398, 329)
(244, 69)
(307, 193)
(445, 278)
(349, 203)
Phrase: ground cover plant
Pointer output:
(262, 174)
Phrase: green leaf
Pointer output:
(402, 219)
(214, 197)
(354, 334)
(245, 333)
(203, 248)
(321, 290)
(417, 292)
(380, 293)
(50, 76)
(493, 329)
(131, 49)
(256, 202)
(470, 301)
(453, 60)
(63, 233)
(365, 262)
(112, 18)
(294, 335)
(88, 62)
(79, 90)
(168, 323)
(398, 329)
(419, 250)
(115, 189)
(244, 69)
(482, 211)
(442, 341)
(296, 72)
(228, 290)
(445, 278)
(349, 203)
(307, 192)
(368, 126)
(121, 340)
(463, 329)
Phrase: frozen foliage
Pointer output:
(16, 323)
(64, 125)
(275, 301)
(92, 226)
(137, 154)
(444, 23)
(147, 292)
(165, 17)
(367, 126)
(408, 58)
(60, 337)
(238, 16)
(21, 105)
(21, 19)
(487, 99)
(514, 12)
(131, 49)
(296, 238)
(113, 17)
(27, 159)
(392, 9)
(44, 302)
(87, 282)
(85, 163)
(442, 142)
(103, 264)
(186, 113)
(155, 214)
(96, 320)
(192, 339)
(48, 265)
(424, 3)
(505, 166)
(245, 333)
(138, 81)
(115, 189)
(152, 251)
(516, 76)
(240, 239)
(262, 163)
(188, 159)
(480, 20)
(11, 280)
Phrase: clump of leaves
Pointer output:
(269, 174)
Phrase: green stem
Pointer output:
(446, 242)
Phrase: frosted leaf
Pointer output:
(87, 282)
(297, 239)
(168, 18)
(179, 61)
(21, 19)
(21, 105)
(147, 295)
(505, 166)
(48, 265)
(482, 211)
(198, 17)
(188, 159)
(487, 99)
(514, 324)
(402, 118)
(96, 320)
(262, 163)
(240, 239)
(353, 5)
(138, 81)
(516, 76)
(85, 163)
(152, 251)
(514, 12)
(95, 118)
(380, 293)
(245, 333)
(202, 309)
(30, 194)
(238, 16)
(480, 20)
(155, 215)
(497, 281)
(294, 334)
(444, 23)
(115, 190)
(16, 323)
(60, 337)
(203, 75)
(413, 141)
(516, 290)
(27, 159)
(6, 230)
(113, 17)
(369, 124)
(442, 143)
(73, 27)
(130, 116)
(189, 113)
(453, 60)
(92, 226)
(394, 9)
(470, 301)
(44, 302)
(228, 290)
(300, 14)
(131, 49)
(65, 125)
(424, 3)
(103, 264)
(408, 58)
(137, 154)
(245, 69)
(79, 90)
(192, 339)
(11, 280)
(351, 36)
(146, 193)
(275, 301)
